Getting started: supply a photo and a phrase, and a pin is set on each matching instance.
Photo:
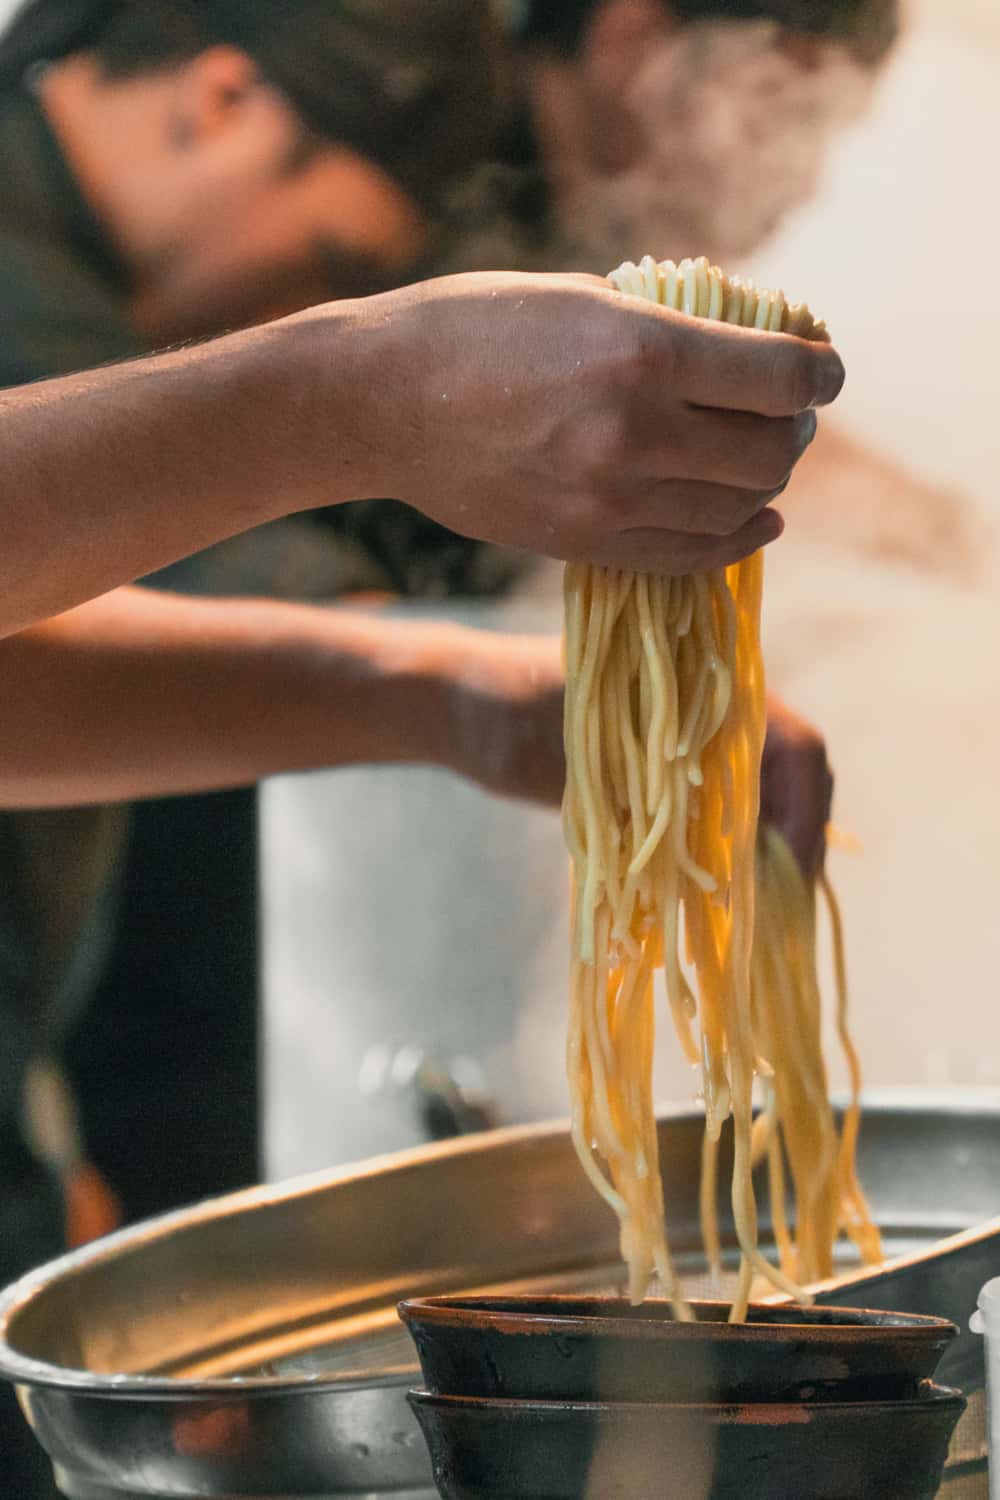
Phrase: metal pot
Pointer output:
(250, 1346)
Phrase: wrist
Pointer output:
(342, 371)
(393, 681)
(445, 683)
(505, 698)
(469, 688)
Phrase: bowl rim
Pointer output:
(30, 1371)
(484, 1313)
(933, 1397)
(23, 1370)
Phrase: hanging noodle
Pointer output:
(797, 1122)
(665, 720)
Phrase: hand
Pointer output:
(796, 784)
(507, 714)
(506, 697)
(552, 413)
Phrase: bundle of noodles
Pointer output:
(665, 722)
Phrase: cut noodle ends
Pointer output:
(664, 728)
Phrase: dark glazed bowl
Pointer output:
(603, 1349)
(521, 1450)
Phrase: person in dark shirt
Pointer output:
(172, 169)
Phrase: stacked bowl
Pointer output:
(560, 1398)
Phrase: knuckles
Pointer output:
(603, 447)
(782, 442)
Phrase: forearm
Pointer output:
(544, 412)
(111, 474)
(143, 694)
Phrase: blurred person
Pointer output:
(172, 169)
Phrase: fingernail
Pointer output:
(830, 380)
(772, 524)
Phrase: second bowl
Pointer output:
(602, 1349)
(554, 1450)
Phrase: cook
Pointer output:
(121, 124)
(130, 932)
(139, 694)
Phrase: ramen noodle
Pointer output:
(664, 727)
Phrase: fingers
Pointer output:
(796, 785)
(738, 448)
(713, 473)
(805, 814)
(718, 471)
(646, 549)
(698, 510)
(744, 369)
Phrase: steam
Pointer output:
(731, 132)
